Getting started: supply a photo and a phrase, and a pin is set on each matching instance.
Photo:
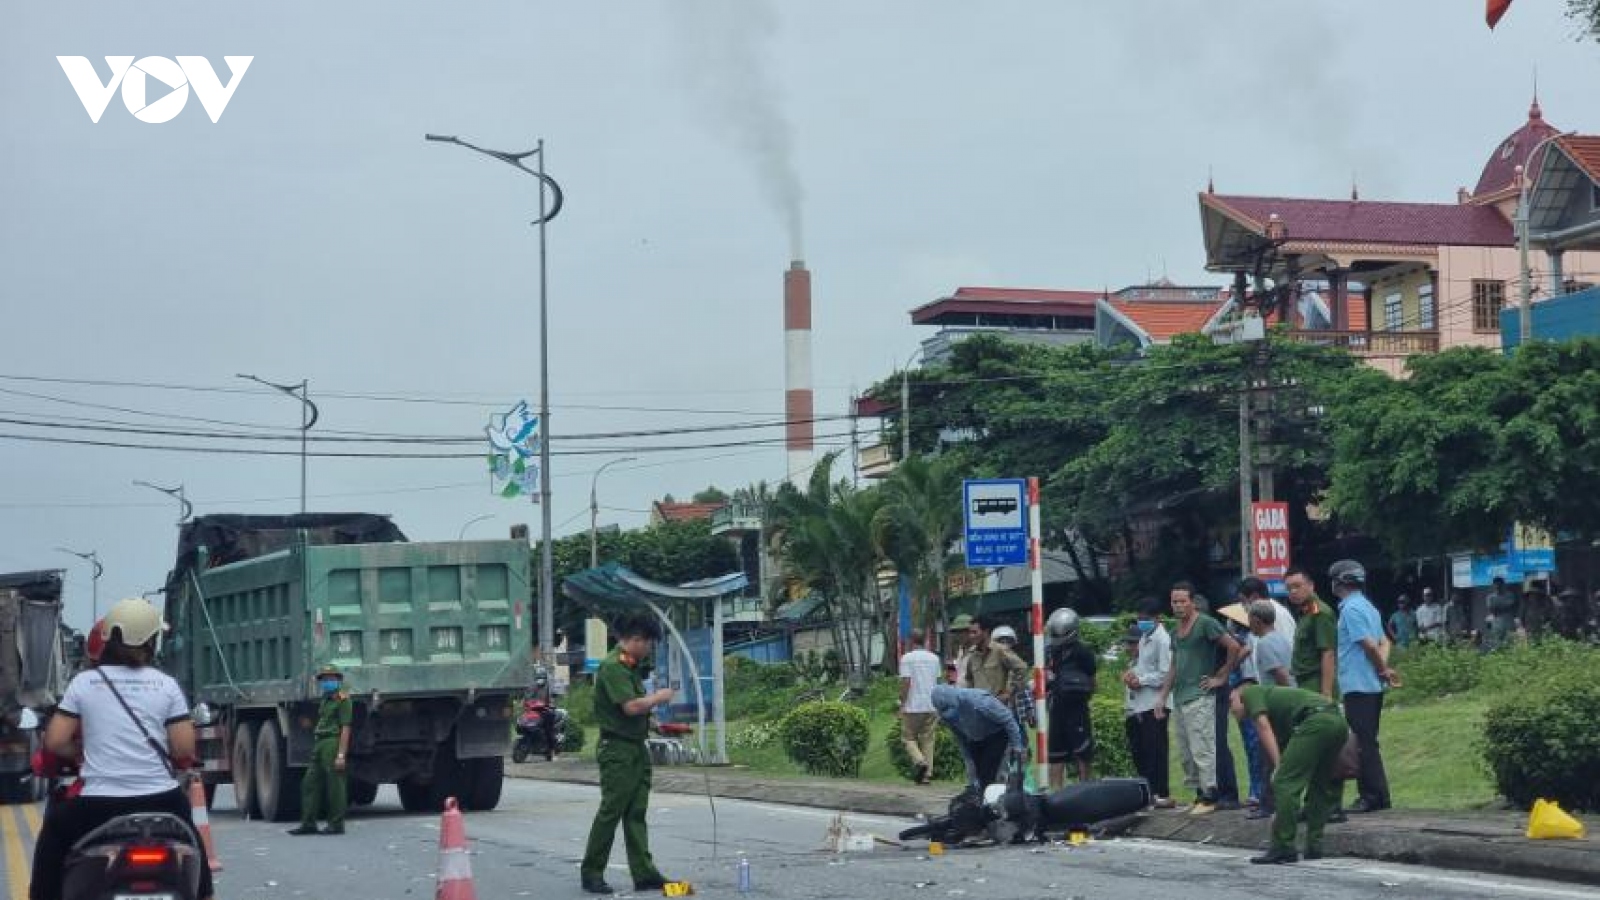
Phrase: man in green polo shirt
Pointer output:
(1301, 735)
(1198, 644)
(1316, 637)
(622, 710)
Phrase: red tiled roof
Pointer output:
(1164, 320)
(1007, 302)
(872, 407)
(1372, 221)
(1500, 172)
(1585, 151)
(686, 512)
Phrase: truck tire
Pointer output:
(485, 778)
(277, 785)
(416, 796)
(362, 793)
(242, 760)
(210, 788)
(450, 776)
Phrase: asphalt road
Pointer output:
(530, 848)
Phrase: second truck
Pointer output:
(433, 639)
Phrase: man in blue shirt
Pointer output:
(985, 729)
(1364, 674)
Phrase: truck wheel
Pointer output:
(243, 762)
(210, 788)
(277, 785)
(450, 776)
(362, 793)
(485, 778)
(416, 796)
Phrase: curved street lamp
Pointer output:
(309, 416)
(186, 508)
(92, 557)
(594, 509)
(462, 534)
(549, 208)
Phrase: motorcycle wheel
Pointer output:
(519, 751)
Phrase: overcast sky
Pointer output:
(312, 233)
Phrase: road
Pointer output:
(531, 846)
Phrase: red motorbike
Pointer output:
(541, 728)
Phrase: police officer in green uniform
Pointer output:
(622, 710)
(325, 777)
(1302, 733)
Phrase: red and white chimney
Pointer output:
(799, 407)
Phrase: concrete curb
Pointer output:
(1485, 843)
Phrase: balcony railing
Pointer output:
(1373, 343)
(738, 515)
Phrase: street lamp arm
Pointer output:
(315, 413)
(557, 198)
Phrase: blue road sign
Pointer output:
(996, 515)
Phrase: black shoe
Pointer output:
(333, 829)
(1275, 858)
(1366, 806)
(1260, 812)
(1311, 854)
(596, 886)
(303, 830)
(1228, 804)
(655, 883)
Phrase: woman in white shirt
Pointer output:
(128, 753)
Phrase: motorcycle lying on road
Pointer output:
(541, 728)
(1007, 813)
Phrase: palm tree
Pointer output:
(919, 520)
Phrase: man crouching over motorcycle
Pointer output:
(984, 728)
(135, 722)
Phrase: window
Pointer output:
(1594, 195)
(1425, 310)
(1394, 312)
(1488, 298)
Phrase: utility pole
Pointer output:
(594, 510)
(1525, 311)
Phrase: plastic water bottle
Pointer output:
(744, 875)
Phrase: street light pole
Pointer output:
(186, 509)
(594, 510)
(462, 534)
(905, 406)
(549, 208)
(93, 558)
(1524, 177)
(308, 417)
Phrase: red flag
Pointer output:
(1497, 9)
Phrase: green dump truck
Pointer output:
(32, 674)
(433, 639)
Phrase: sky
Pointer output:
(915, 146)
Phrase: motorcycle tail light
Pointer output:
(147, 857)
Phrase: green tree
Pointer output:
(711, 495)
(825, 540)
(919, 519)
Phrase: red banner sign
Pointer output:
(1270, 531)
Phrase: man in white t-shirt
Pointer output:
(919, 672)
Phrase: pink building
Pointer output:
(1388, 279)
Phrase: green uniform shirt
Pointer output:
(1282, 706)
(334, 714)
(1314, 633)
(615, 684)
(1194, 657)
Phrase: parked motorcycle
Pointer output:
(541, 728)
(143, 856)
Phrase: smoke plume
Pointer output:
(725, 45)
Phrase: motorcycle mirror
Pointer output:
(28, 720)
(202, 715)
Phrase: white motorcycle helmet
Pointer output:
(1004, 634)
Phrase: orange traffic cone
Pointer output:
(202, 821)
(455, 868)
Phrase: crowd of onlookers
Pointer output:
(1304, 684)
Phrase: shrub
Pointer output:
(1546, 746)
(572, 739)
(1431, 671)
(826, 738)
(756, 736)
(1112, 758)
(757, 690)
(579, 703)
(947, 762)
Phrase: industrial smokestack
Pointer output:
(798, 405)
